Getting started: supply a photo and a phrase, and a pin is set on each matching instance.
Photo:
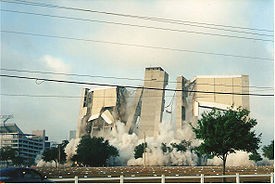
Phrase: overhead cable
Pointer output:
(156, 19)
(73, 97)
(121, 78)
(134, 45)
(39, 96)
(144, 26)
(130, 86)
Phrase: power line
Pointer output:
(134, 45)
(130, 86)
(207, 33)
(121, 78)
(155, 19)
(39, 96)
(66, 96)
(69, 96)
(140, 26)
(73, 74)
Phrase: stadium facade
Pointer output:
(141, 110)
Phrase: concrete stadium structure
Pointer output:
(219, 92)
(142, 110)
(141, 113)
(233, 85)
(152, 101)
(100, 109)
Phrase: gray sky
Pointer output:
(59, 115)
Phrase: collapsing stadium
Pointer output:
(128, 118)
(141, 111)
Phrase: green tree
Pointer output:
(51, 154)
(56, 154)
(224, 132)
(94, 151)
(139, 150)
(202, 156)
(18, 160)
(7, 153)
(268, 151)
(61, 151)
(255, 156)
(165, 148)
(182, 146)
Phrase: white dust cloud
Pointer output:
(42, 163)
(71, 148)
(154, 155)
(240, 158)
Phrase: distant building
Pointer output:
(72, 134)
(28, 145)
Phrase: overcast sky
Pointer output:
(58, 115)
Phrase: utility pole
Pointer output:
(59, 154)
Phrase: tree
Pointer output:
(18, 160)
(182, 146)
(7, 153)
(50, 154)
(202, 156)
(255, 156)
(56, 154)
(224, 132)
(268, 151)
(61, 151)
(94, 151)
(139, 150)
(165, 148)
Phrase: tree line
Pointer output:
(221, 132)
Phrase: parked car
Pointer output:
(21, 175)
